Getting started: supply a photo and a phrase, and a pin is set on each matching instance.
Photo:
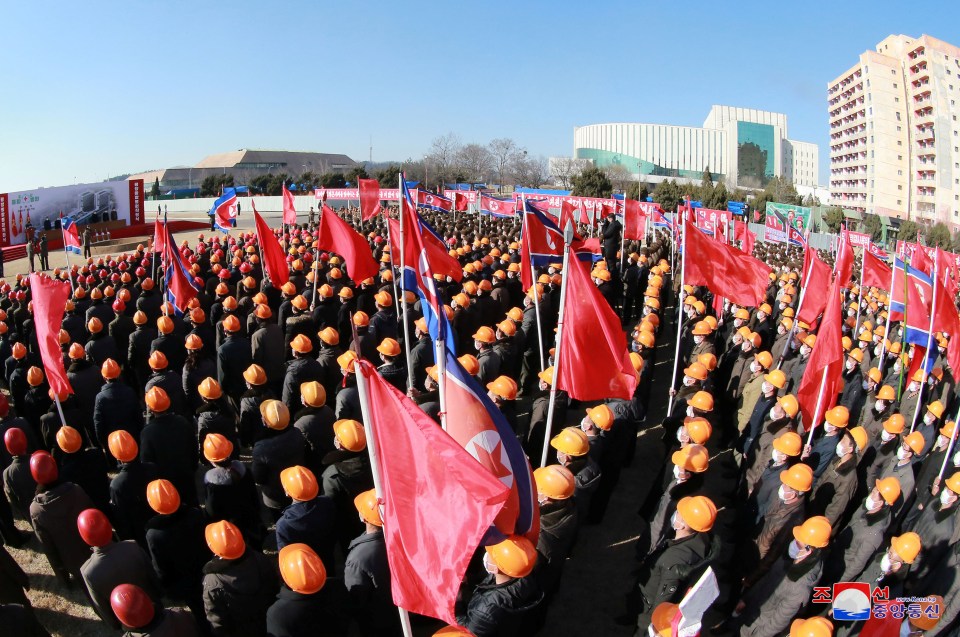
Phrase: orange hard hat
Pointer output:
(275, 414)
(351, 435)
(702, 401)
(157, 399)
(696, 370)
(368, 507)
(571, 441)
(35, 376)
(165, 325)
(515, 556)
(504, 387)
(602, 417)
(789, 444)
(814, 531)
(360, 319)
(299, 483)
(302, 569)
(217, 447)
(555, 481)
(389, 347)
(907, 546)
(313, 394)
(470, 364)
(255, 375)
(301, 344)
(329, 336)
(698, 429)
(698, 512)
(94, 325)
(799, 477)
(193, 342)
(812, 627)
(694, 458)
(485, 335)
(225, 540)
(889, 489)
(69, 439)
(122, 445)
(163, 497)
(231, 324)
(157, 360)
(77, 352)
(839, 416)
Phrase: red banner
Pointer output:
(471, 195)
(4, 220)
(710, 221)
(353, 194)
(136, 201)
(908, 249)
(859, 239)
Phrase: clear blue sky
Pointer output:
(101, 88)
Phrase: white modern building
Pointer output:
(743, 146)
(894, 134)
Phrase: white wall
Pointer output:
(265, 205)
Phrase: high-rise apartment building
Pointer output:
(894, 131)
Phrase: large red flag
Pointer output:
(876, 273)
(634, 221)
(594, 361)
(567, 211)
(741, 233)
(947, 268)
(844, 263)
(159, 236)
(946, 319)
(824, 368)
(289, 207)
(727, 271)
(816, 285)
(461, 203)
(440, 260)
(920, 260)
(274, 261)
(369, 198)
(49, 298)
(438, 501)
(335, 235)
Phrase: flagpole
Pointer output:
(816, 410)
(567, 240)
(926, 354)
(66, 254)
(676, 352)
(316, 261)
(56, 399)
(374, 453)
(406, 323)
(903, 330)
(863, 260)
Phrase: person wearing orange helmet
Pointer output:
(330, 349)
(366, 574)
(175, 541)
(484, 340)
(310, 518)
(239, 583)
(393, 367)
(171, 332)
(138, 349)
(855, 545)
(111, 564)
(233, 357)
(100, 346)
(756, 398)
(823, 451)
(674, 566)
(901, 467)
(835, 488)
(421, 354)
(83, 464)
(278, 446)
(168, 378)
(303, 368)
(347, 475)
(116, 406)
(229, 492)
(508, 593)
(170, 441)
(772, 601)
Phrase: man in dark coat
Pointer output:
(169, 441)
(366, 574)
(301, 369)
(612, 232)
(138, 349)
(120, 329)
(280, 446)
(238, 592)
(233, 357)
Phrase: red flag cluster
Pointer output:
(49, 298)
(724, 269)
(336, 235)
(274, 261)
(823, 376)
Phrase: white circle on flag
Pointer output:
(487, 445)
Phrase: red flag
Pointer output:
(825, 366)
(567, 210)
(634, 222)
(741, 233)
(369, 198)
(159, 236)
(289, 207)
(947, 266)
(460, 202)
(816, 282)
(724, 269)
(49, 298)
(594, 361)
(440, 260)
(335, 235)
(876, 273)
(946, 319)
(274, 261)
(844, 263)
(921, 260)
(438, 501)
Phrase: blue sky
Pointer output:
(100, 88)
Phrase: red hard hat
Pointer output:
(43, 467)
(132, 606)
(15, 441)
(94, 527)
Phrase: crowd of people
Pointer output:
(209, 474)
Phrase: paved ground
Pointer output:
(595, 579)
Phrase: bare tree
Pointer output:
(443, 155)
(475, 161)
(505, 152)
(619, 176)
(531, 171)
(565, 169)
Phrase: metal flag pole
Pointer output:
(676, 351)
(856, 325)
(403, 270)
(793, 330)
(316, 261)
(533, 287)
(56, 399)
(883, 343)
(66, 254)
(374, 454)
(816, 411)
(567, 240)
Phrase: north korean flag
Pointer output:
(497, 207)
(437, 203)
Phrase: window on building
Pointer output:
(899, 187)
(900, 173)
(898, 203)
(899, 143)
(898, 116)
(898, 129)
(896, 99)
